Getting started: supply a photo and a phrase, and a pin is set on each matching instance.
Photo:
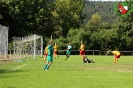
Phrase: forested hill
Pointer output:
(104, 9)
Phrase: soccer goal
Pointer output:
(3, 42)
(27, 46)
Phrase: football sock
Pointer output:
(45, 66)
(115, 61)
(44, 59)
(67, 56)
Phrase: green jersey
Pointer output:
(50, 50)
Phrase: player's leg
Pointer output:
(92, 61)
(48, 65)
(55, 54)
(66, 55)
(45, 66)
(81, 54)
(114, 59)
(83, 59)
(69, 53)
(49, 62)
(117, 57)
(45, 56)
(44, 59)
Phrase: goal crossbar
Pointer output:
(28, 38)
(19, 44)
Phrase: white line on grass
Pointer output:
(16, 68)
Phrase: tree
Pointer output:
(125, 31)
(67, 14)
(94, 23)
(28, 17)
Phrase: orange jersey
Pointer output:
(55, 48)
(116, 53)
(46, 50)
(82, 47)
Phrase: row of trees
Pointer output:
(103, 36)
(64, 19)
(43, 17)
(105, 9)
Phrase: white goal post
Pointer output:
(36, 37)
(3, 42)
(29, 45)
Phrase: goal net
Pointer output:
(3, 42)
(27, 46)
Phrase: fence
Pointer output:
(95, 52)
(12, 56)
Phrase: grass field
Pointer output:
(68, 74)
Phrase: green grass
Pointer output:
(68, 74)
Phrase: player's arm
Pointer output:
(67, 48)
(80, 47)
(81, 41)
(113, 53)
(45, 50)
(50, 40)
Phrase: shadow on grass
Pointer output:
(5, 72)
(10, 87)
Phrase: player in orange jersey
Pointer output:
(117, 55)
(82, 50)
(46, 52)
(55, 50)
